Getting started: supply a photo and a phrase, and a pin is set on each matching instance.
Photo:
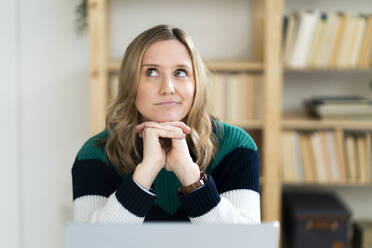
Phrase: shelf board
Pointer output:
(246, 124)
(234, 66)
(331, 184)
(327, 69)
(301, 121)
(228, 66)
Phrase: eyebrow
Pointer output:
(155, 65)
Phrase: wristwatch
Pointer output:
(188, 189)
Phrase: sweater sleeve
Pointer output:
(100, 195)
(231, 193)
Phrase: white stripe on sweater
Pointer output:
(236, 206)
(99, 209)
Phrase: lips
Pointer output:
(167, 103)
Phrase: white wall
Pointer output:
(54, 102)
(9, 126)
(219, 28)
(44, 118)
(44, 101)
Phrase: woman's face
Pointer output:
(166, 85)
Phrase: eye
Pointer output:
(181, 73)
(152, 72)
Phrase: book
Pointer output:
(325, 158)
(258, 103)
(288, 157)
(358, 32)
(218, 102)
(304, 36)
(290, 34)
(240, 97)
(312, 161)
(306, 158)
(350, 152)
(297, 152)
(366, 47)
(342, 17)
(339, 138)
(113, 86)
(314, 47)
(369, 157)
(319, 157)
(341, 107)
(328, 40)
(345, 43)
(350, 99)
(361, 158)
(333, 156)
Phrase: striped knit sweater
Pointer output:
(231, 195)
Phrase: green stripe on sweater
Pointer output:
(91, 151)
(229, 138)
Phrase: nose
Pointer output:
(167, 87)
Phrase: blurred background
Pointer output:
(45, 102)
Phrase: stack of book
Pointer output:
(315, 39)
(340, 107)
(326, 156)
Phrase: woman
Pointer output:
(162, 156)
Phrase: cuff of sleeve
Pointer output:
(202, 200)
(151, 191)
(133, 198)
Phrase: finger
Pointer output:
(164, 133)
(140, 127)
(163, 126)
(186, 129)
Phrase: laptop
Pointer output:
(164, 235)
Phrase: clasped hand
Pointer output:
(165, 146)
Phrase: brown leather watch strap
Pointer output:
(188, 189)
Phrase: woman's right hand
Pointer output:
(154, 156)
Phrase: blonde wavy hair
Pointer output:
(123, 147)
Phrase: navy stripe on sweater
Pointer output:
(240, 169)
(93, 177)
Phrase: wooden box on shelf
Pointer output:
(312, 219)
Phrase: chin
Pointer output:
(168, 118)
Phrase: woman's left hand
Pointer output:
(178, 159)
